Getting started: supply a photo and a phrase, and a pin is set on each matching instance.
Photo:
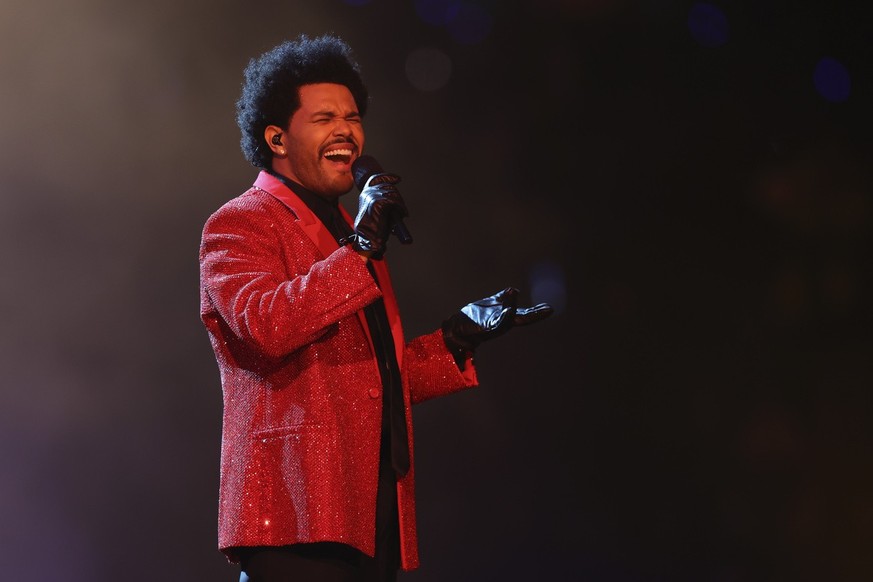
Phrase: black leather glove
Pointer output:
(488, 318)
(378, 205)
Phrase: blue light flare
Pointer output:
(471, 25)
(708, 25)
(548, 285)
(437, 12)
(832, 80)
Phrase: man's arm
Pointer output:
(431, 370)
(244, 274)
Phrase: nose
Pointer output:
(342, 127)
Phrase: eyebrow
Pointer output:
(329, 113)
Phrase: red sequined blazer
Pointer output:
(282, 304)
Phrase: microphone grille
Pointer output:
(363, 168)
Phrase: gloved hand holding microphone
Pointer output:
(381, 209)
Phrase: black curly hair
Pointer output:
(270, 90)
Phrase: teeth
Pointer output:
(338, 153)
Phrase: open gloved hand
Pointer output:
(379, 204)
(488, 318)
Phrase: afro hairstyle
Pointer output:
(270, 93)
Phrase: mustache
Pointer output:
(342, 140)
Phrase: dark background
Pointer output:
(699, 407)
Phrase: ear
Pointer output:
(275, 138)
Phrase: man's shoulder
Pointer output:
(254, 199)
(253, 204)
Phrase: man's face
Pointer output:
(324, 137)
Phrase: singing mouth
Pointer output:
(342, 155)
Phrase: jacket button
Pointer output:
(375, 392)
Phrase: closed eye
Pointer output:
(328, 117)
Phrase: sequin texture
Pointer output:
(300, 442)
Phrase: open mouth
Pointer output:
(341, 155)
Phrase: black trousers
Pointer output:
(331, 561)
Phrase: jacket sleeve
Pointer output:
(431, 369)
(277, 303)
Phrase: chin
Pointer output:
(342, 187)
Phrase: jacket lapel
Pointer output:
(325, 242)
(306, 219)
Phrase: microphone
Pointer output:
(363, 169)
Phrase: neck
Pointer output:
(299, 188)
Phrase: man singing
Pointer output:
(317, 472)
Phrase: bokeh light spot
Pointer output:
(708, 25)
(437, 12)
(471, 25)
(832, 80)
(428, 69)
(547, 285)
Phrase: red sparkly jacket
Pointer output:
(302, 391)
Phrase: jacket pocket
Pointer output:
(279, 432)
